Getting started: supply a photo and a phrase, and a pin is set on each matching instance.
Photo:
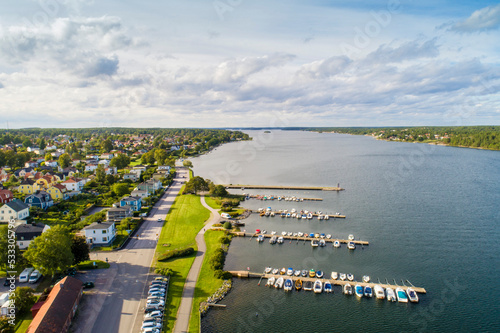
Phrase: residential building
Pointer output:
(51, 163)
(90, 167)
(118, 214)
(164, 167)
(39, 199)
(32, 164)
(134, 202)
(27, 232)
(132, 176)
(59, 308)
(58, 192)
(14, 210)
(73, 184)
(6, 196)
(100, 233)
(140, 193)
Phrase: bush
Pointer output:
(217, 260)
(226, 240)
(176, 254)
(228, 225)
(223, 275)
(164, 271)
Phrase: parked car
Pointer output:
(88, 285)
(156, 290)
(151, 324)
(160, 220)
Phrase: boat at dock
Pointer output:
(328, 287)
(318, 287)
(328, 236)
(412, 295)
(350, 277)
(347, 289)
(273, 240)
(312, 273)
(366, 278)
(270, 281)
(351, 246)
(260, 238)
(322, 243)
(342, 276)
(298, 284)
(276, 271)
(351, 237)
(297, 272)
(283, 271)
(336, 243)
(391, 295)
(327, 217)
(314, 243)
(280, 240)
(279, 283)
(368, 291)
(379, 292)
(303, 273)
(335, 275)
(402, 297)
(358, 290)
(288, 285)
(308, 285)
(319, 274)
(268, 269)
(289, 272)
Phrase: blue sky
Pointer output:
(235, 63)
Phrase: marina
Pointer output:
(300, 214)
(297, 238)
(279, 198)
(276, 187)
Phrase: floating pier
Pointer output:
(276, 187)
(278, 213)
(275, 197)
(247, 274)
(331, 240)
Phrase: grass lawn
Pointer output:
(120, 238)
(184, 220)
(22, 322)
(89, 264)
(207, 284)
(211, 202)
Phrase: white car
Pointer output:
(156, 290)
(155, 301)
(151, 324)
(154, 314)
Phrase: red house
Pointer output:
(6, 196)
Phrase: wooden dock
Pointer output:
(278, 214)
(277, 187)
(331, 240)
(275, 197)
(247, 274)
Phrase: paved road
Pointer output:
(182, 322)
(114, 305)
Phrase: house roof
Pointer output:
(27, 182)
(60, 187)
(98, 225)
(131, 198)
(58, 307)
(29, 231)
(17, 205)
(42, 195)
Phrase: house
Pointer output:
(39, 199)
(90, 167)
(100, 233)
(58, 192)
(107, 156)
(140, 193)
(69, 171)
(73, 184)
(118, 214)
(58, 310)
(51, 163)
(132, 176)
(14, 210)
(22, 172)
(45, 182)
(26, 232)
(111, 170)
(6, 196)
(164, 167)
(134, 202)
(158, 176)
(32, 164)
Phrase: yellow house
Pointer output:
(43, 184)
(58, 192)
(27, 186)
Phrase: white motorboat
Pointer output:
(342, 276)
(320, 217)
(328, 236)
(366, 278)
(272, 214)
(279, 283)
(379, 292)
(304, 216)
(304, 272)
(299, 216)
(294, 215)
(347, 289)
(283, 233)
(327, 217)
(268, 269)
(295, 234)
(350, 277)
(273, 232)
(318, 287)
(260, 238)
(412, 295)
(351, 246)
(391, 295)
(300, 234)
(276, 271)
(401, 295)
(289, 234)
(335, 275)
(351, 237)
(293, 210)
(314, 243)
(280, 240)
(309, 216)
(336, 243)
(270, 281)
(289, 272)
(297, 272)
(322, 242)
(273, 240)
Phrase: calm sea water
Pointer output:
(430, 213)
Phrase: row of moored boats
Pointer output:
(303, 214)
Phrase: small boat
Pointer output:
(288, 215)
(379, 292)
(342, 276)
(400, 293)
(368, 291)
(289, 234)
(276, 271)
(297, 272)
(270, 281)
(320, 217)
(314, 243)
(295, 234)
(318, 287)
(327, 217)
(267, 214)
(273, 240)
(272, 214)
(316, 235)
(312, 273)
(263, 232)
(289, 272)
(319, 274)
(347, 289)
(268, 269)
(303, 273)
(273, 232)
(288, 285)
(351, 237)
(358, 290)
(260, 238)
(391, 295)
(308, 285)
(328, 236)
(351, 246)
(304, 216)
(298, 284)
(309, 216)
(350, 277)
(257, 231)
(336, 243)
(328, 287)
(280, 240)
(412, 295)
(279, 283)
(283, 233)
(299, 216)
(294, 215)
(283, 271)
(282, 214)
(293, 210)
(300, 234)
(322, 243)
(311, 235)
(335, 275)
(366, 278)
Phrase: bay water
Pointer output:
(431, 215)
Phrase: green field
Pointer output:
(207, 284)
(211, 202)
(184, 220)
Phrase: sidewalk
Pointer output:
(182, 322)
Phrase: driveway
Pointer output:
(114, 304)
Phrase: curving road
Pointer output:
(182, 322)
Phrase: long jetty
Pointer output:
(277, 213)
(331, 240)
(278, 187)
(247, 274)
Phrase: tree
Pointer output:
(100, 174)
(124, 224)
(187, 164)
(48, 156)
(227, 225)
(121, 189)
(110, 179)
(64, 160)
(219, 191)
(80, 249)
(49, 252)
(42, 144)
(5, 326)
(4, 250)
(160, 156)
(106, 145)
(23, 298)
(26, 143)
(196, 184)
(120, 161)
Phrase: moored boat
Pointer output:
(379, 291)
(336, 243)
(351, 237)
(289, 272)
(297, 272)
(342, 276)
(273, 240)
(298, 284)
(328, 287)
(350, 277)
(358, 290)
(347, 289)
(327, 217)
(401, 295)
(322, 243)
(288, 285)
(319, 274)
(335, 275)
(268, 269)
(308, 285)
(260, 238)
(280, 240)
(328, 236)
(270, 281)
(366, 278)
(368, 291)
(312, 273)
(304, 272)
(412, 295)
(279, 283)
(300, 234)
(314, 243)
(276, 271)
(283, 271)
(318, 287)
(351, 246)
(391, 295)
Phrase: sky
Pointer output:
(242, 63)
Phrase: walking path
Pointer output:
(182, 322)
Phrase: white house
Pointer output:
(90, 167)
(100, 233)
(132, 176)
(73, 184)
(14, 210)
(51, 163)
(27, 232)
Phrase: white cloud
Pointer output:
(484, 19)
